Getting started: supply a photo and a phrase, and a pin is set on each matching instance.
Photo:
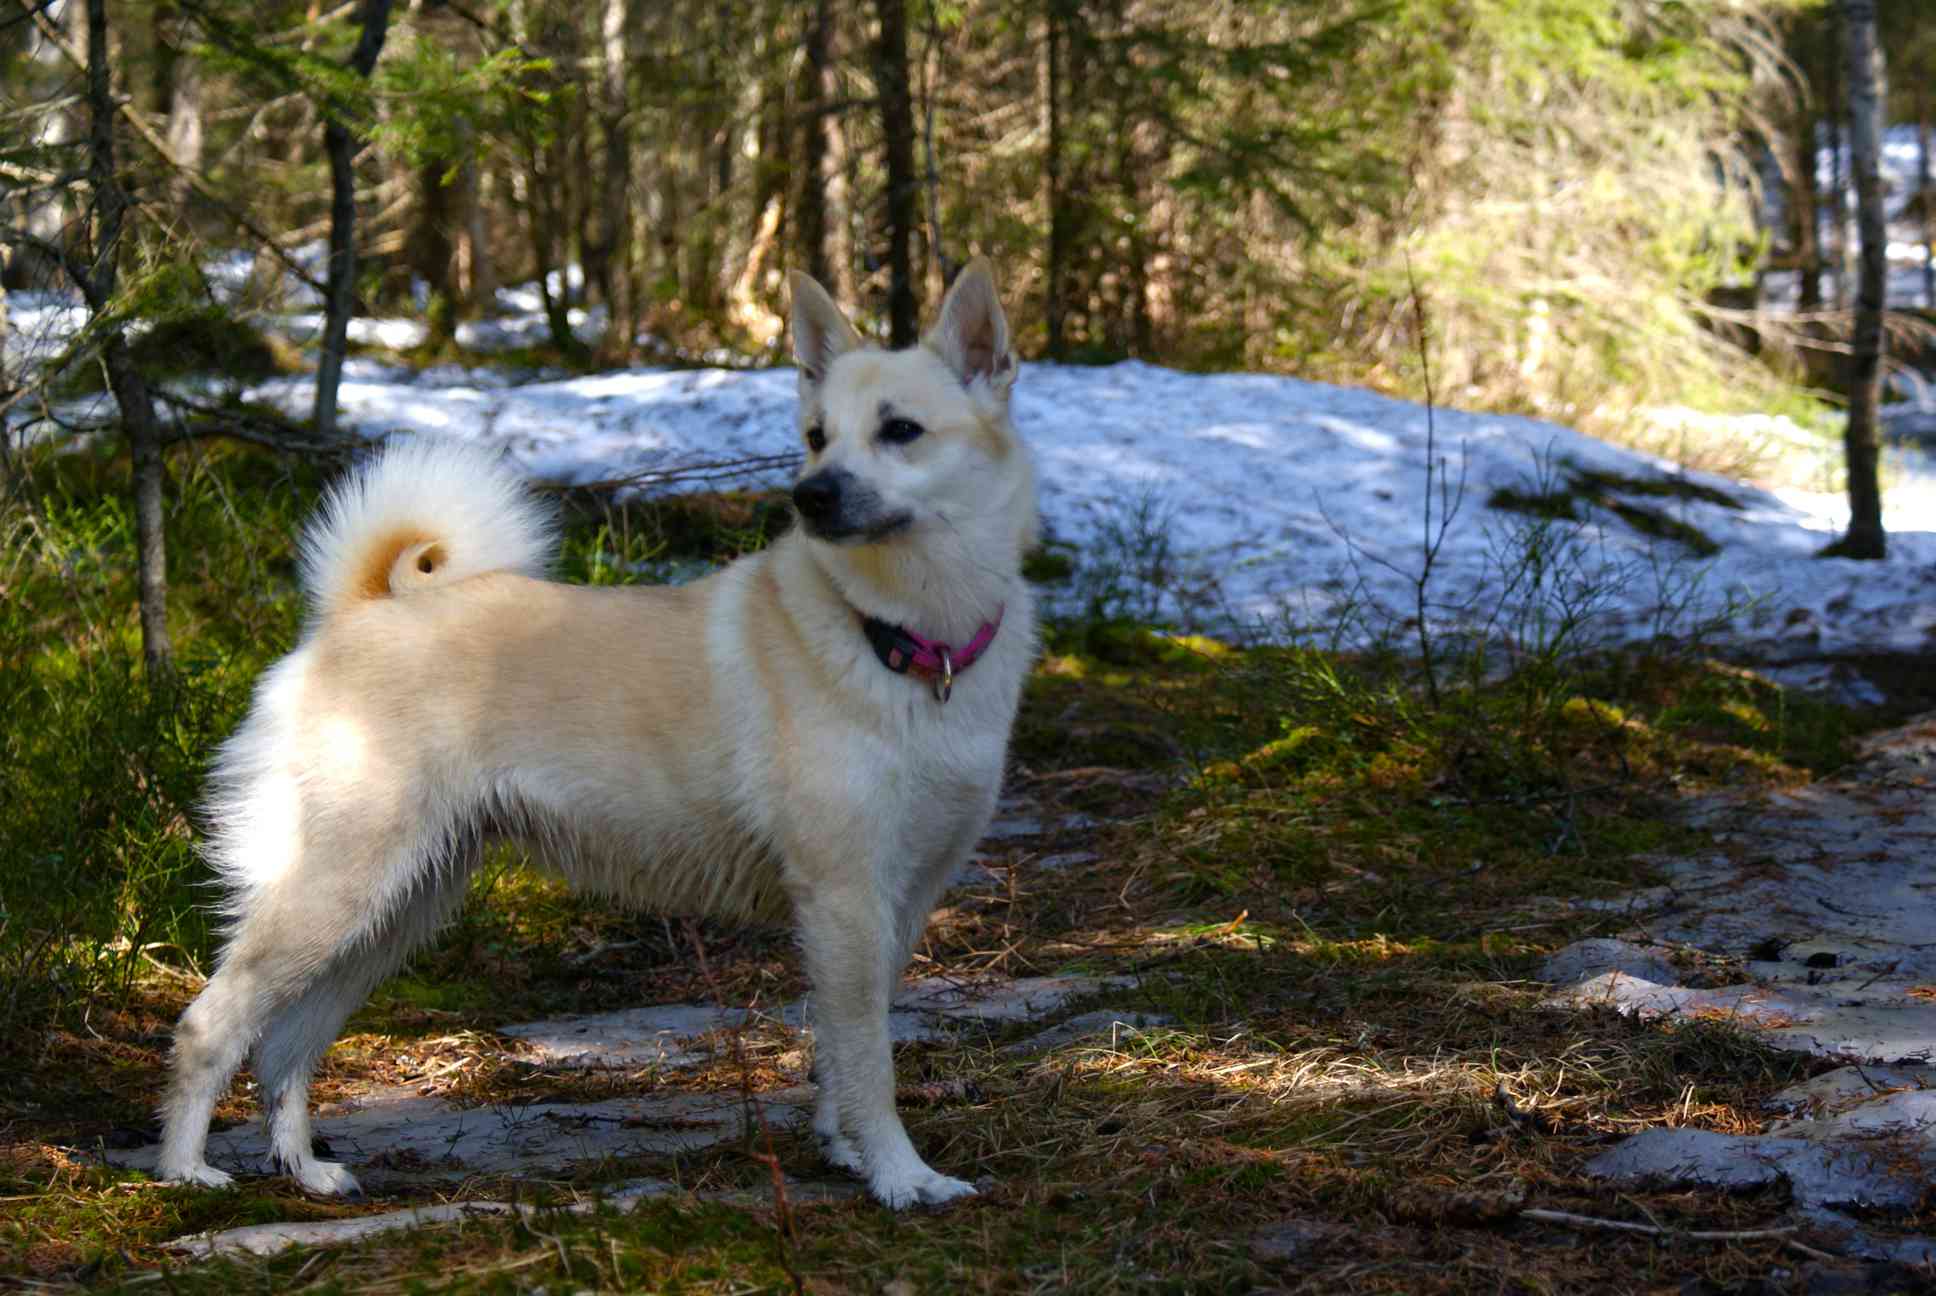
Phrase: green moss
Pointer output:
(1664, 526)
(1048, 566)
(1594, 481)
(1555, 505)
(1605, 490)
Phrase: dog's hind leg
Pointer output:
(286, 1056)
(209, 1043)
(304, 1029)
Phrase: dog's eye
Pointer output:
(816, 438)
(900, 431)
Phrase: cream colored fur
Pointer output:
(731, 747)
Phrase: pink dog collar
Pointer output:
(902, 651)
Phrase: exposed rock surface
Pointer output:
(1826, 896)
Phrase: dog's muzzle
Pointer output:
(835, 506)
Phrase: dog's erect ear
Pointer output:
(821, 334)
(972, 333)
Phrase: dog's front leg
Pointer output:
(850, 942)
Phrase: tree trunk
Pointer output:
(144, 442)
(1838, 225)
(1804, 199)
(613, 261)
(177, 100)
(341, 299)
(436, 249)
(946, 264)
(1865, 537)
(1926, 196)
(842, 259)
(1136, 262)
(897, 126)
(476, 270)
(810, 203)
(1052, 171)
(97, 284)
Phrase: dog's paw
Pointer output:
(201, 1174)
(838, 1151)
(326, 1179)
(923, 1188)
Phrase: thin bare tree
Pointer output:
(1861, 443)
(897, 126)
(342, 149)
(96, 277)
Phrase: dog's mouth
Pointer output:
(874, 531)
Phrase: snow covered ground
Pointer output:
(1256, 501)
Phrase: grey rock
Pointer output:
(1822, 1177)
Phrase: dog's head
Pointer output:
(902, 443)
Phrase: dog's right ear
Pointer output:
(821, 334)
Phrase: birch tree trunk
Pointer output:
(341, 299)
(1861, 446)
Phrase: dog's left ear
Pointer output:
(972, 333)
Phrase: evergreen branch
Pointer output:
(161, 150)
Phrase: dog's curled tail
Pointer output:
(422, 512)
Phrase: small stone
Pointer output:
(1290, 1240)
(1584, 960)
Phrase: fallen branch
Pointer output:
(1525, 1118)
(1654, 1230)
(255, 426)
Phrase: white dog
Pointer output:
(821, 727)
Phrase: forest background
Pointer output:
(1587, 194)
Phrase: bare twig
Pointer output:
(255, 426)
(1449, 499)
(782, 1209)
(701, 470)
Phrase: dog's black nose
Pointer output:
(817, 497)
